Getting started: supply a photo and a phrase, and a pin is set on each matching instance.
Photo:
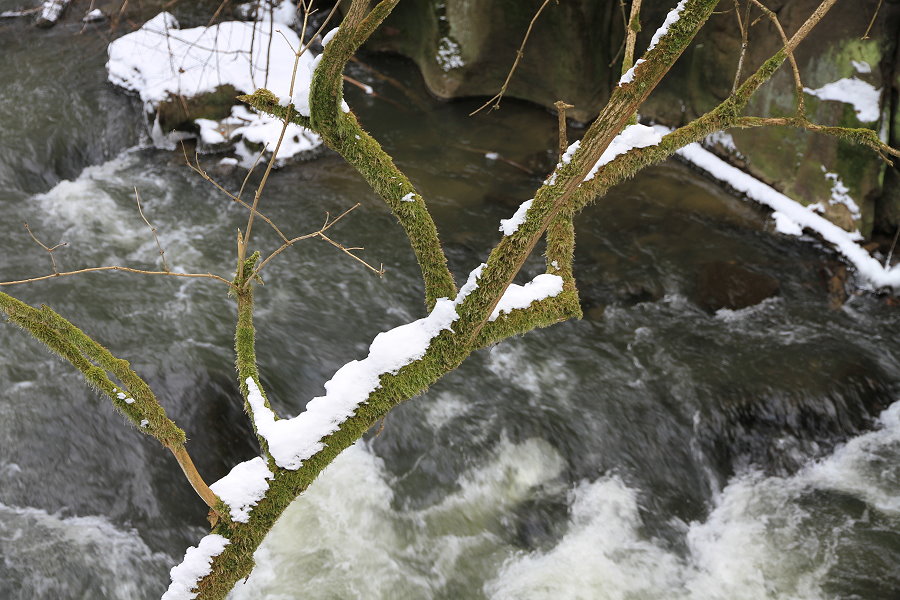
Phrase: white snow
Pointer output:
(671, 19)
(448, 55)
(840, 194)
(410, 197)
(329, 36)
(291, 441)
(633, 136)
(511, 225)
(791, 217)
(861, 66)
(628, 76)
(862, 95)
(517, 296)
(244, 486)
(160, 60)
(194, 567)
(93, 16)
(285, 13)
(491, 155)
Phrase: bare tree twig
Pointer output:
(744, 25)
(162, 253)
(49, 250)
(798, 84)
(872, 22)
(519, 54)
(329, 223)
(118, 268)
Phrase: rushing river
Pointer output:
(654, 450)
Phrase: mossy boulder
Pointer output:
(179, 112)
(465, 48)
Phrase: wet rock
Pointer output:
(179, 112)
(466, 48)
(729, 285)
(51, 12)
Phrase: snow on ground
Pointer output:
(196, 564)
(244, 486)
(159, 60)
(791, 217)
(862, 95)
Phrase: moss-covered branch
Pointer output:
(342, 133)
(130, 395)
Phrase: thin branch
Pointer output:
(519, 54)
(49, 250)
(162, 253)
(329, 223)
(872, 22)
(118, 268)
(631, 30)
(744, 25)
(196, 168)
(798, 84)
(858, 135)
(561, 108)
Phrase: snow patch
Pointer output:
(862, 95)
(521, 296)
(448, 55)
(628, 76)
(671, 19)
(244, 486)
(633, 136)
(195, 566)
(861, 66)
(410, 197)
(791, 216)
(511, 225)
(329, 36)
(160, 60)
(840, 194)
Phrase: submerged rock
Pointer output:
(731, 286)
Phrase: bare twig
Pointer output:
(118, 268)
(197, 169)
(744, 25)
(162, 253)
(561, 108)
(872, 22)
(631, 30)
(798, 84)
(519, 54)
(42, 245)
(329, 223)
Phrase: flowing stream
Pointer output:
(653, 450)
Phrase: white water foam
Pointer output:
(761, 541)
(50, 556)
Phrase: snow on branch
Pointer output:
(195, 566)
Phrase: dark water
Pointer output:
(655, 449)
